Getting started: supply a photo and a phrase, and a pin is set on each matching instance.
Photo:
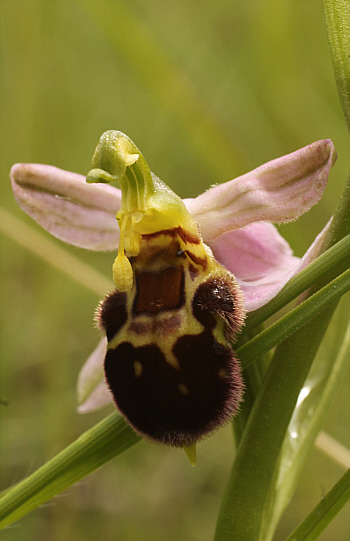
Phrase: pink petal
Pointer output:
(261, 260)
(67, 206)
(279, 191)
(93, 392)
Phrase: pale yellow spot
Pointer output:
(183, 389)
(191, 452)
(138, 368)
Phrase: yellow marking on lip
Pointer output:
(138, 368)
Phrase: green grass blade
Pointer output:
(91, 450)
(318, 520)
(243, 505)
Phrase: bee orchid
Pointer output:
(185, 274)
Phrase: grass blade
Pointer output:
(318, 520)
(91, 450)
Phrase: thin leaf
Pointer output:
(91, 450)
(318, 520)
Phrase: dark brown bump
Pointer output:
(113, 314)
(159, 291)
(212, 375)
(216, 297)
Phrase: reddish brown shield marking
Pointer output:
(159, 291)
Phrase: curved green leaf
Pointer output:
(243, 507)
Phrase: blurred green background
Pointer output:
(207, 90)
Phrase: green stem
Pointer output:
(318, 520)
(91, 450)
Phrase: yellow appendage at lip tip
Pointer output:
(123, 275)
(191, 452)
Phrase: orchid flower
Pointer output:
(234, 219)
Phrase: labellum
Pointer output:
(175, 310)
